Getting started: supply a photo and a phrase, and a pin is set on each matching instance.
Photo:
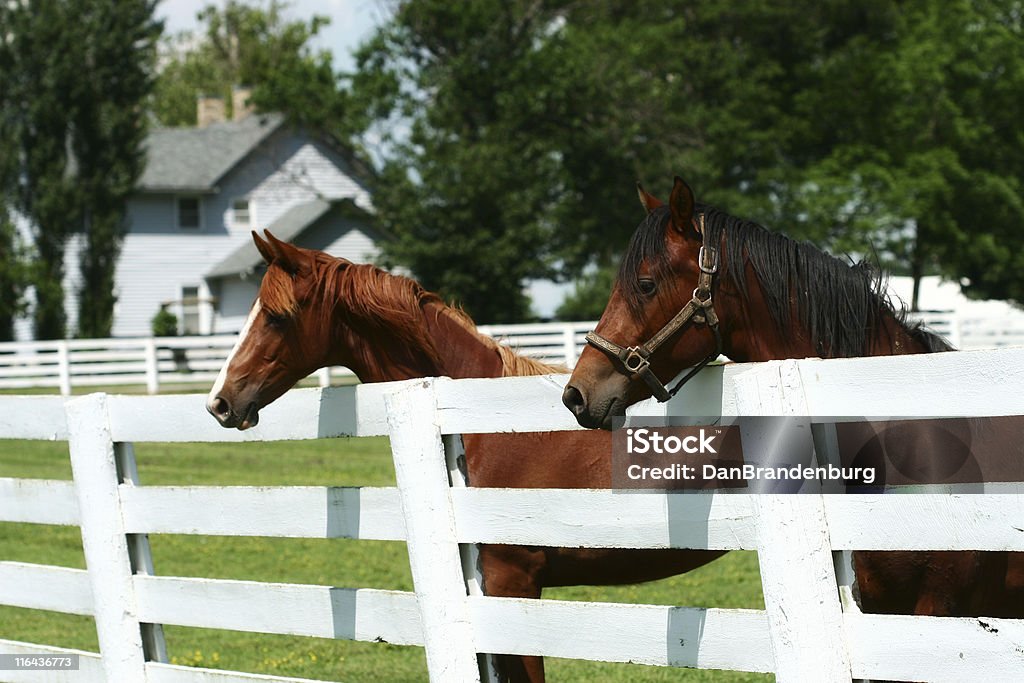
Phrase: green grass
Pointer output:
(729, 582)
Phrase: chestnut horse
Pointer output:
(315, 310)
(761, 296)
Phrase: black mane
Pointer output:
(839, 305)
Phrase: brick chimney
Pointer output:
(240, 107)
(209, 110)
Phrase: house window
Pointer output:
(190, 310)
(188, 213)
(240, 209)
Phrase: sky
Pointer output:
(352, 21)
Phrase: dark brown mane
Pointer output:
(390, 306)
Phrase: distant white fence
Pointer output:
(155, 362)
(810, 630)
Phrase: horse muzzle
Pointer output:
(224, 413)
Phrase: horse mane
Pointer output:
(393, 306)
(840, 304)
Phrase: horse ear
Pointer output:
(261, 246)
(681, 206)
(649, 201)
(286, 255)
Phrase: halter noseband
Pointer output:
(635, 359)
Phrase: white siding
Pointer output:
(158, 258)
(341, 236)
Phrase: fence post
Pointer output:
(152, 367)
(801, 595)
(64, 367)
(430, 532)
(94, 466)
(324, 376)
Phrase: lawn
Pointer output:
(729, 582)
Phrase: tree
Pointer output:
(916, 122)
(529, 123)
(119, 50)
(40, 62)
(252, 45)
(75, 73)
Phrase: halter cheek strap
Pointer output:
(635, 360)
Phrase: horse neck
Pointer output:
(444, 348)
(751, 335)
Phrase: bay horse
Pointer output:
(761, 296)
(315, 310)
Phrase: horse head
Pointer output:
(286, 337)
(663, 294)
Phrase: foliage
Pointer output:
(863, 126)
(253, 45)
(164, 323)
(590, 295)
(74, 75)
(119, 47)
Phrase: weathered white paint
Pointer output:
(430, 530)
(103, 538)
(800, 591)
(935, 648)
(222, 376)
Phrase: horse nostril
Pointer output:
(573, 399)
(219, 407)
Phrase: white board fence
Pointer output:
(153, 362)
(810, 629)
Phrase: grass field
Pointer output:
(729, 582)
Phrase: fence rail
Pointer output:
(152, 362)
(810, 630)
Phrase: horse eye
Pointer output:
(275, 320)
(647, 286)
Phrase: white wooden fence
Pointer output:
(810, 629)
(153, 362)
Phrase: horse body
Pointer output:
(315, 310)
(776, 299)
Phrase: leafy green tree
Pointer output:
(529, 123)
(119, 47)
(913, 124)
(74, 74)
(41, 63)
(589, 296)
(243, 44)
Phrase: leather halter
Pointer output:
(634, 360)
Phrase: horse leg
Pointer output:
(514, 572)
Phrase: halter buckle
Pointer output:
(634, 359)
(709, 256)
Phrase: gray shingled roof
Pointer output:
(194, 159)
(285, 228)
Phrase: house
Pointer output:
(188, 248)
